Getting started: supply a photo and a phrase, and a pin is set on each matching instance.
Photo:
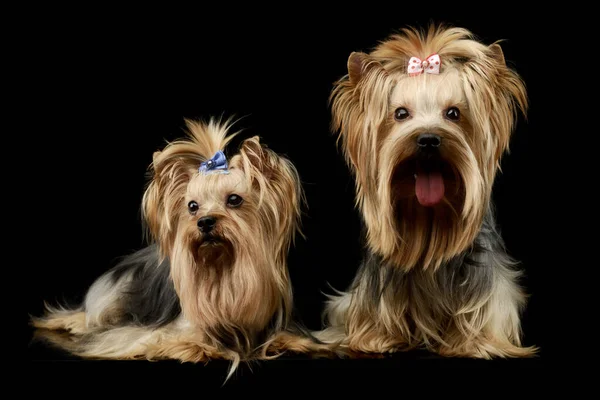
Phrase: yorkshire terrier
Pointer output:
(214, 283)
(423, 122)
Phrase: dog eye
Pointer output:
(234, 200)
(401, 113)
(193, 207)
(453, 114)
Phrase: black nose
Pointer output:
(206, 224)
(429, 140)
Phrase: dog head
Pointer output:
(226, 226)
(424, 120)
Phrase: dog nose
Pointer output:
(206, 224)
(429, 140)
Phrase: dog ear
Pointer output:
(356, 62)
(265, 168)
(359, 64)
(278, 184)
(497, 54)
(171, 172)
(255, 158)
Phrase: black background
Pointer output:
(106, 88)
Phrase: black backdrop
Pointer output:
(110, 87)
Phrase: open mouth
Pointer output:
(429, 181)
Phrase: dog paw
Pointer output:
(487, 350)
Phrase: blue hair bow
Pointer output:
(218, 162)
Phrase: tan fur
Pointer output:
(412, 242)
(416, 312)
(232, 291)
(72, 321)
(172, 168)
(374, 144)
(284, 342)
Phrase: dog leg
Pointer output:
(185, 347)
(283, 342)
(356, 332)
(493, 330)
(72, 321)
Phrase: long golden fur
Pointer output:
(195, 296)
(435, 277)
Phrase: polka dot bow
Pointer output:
(431, 65)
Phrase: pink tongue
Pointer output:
(429, 188)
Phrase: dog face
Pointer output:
(425, 147)
(226, 231)
(245, 210)
(219, 211)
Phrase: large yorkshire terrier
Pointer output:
(423, 120)
(215, 283)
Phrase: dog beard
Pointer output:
(214, 251)
(432, 197)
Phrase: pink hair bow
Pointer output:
(431, 65)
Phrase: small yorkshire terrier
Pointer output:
(424, 120)
(215, 283)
